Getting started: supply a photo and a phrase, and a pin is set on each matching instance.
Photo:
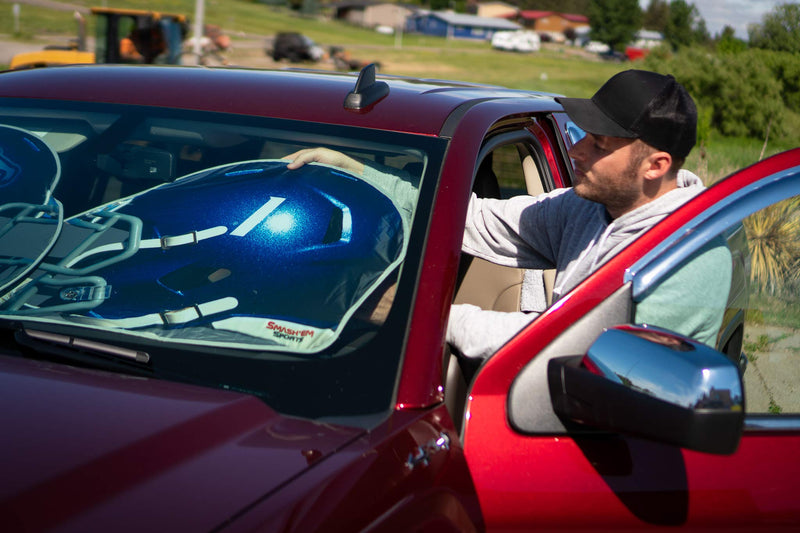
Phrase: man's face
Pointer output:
(607, 171)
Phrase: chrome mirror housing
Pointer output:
(652, 383)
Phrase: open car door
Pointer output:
(549, 451)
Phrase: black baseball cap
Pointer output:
(642, 105)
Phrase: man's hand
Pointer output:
(326, 156)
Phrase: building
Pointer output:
(556, 26)
(457, 26)
(496, 9)
(372, 14)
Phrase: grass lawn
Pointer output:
(725, 155)
(555, 69)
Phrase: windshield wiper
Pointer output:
(85, 351)
(89, 346)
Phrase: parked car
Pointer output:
(194, 337)
(613, 55)
(516, 41)
(597, 47)
(295, 47)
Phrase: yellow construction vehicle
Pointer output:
(122, 36)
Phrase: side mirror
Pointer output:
(652, 383)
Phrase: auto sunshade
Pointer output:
(280, 257)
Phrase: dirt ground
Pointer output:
(249, 51)
(772, 377)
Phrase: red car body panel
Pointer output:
(94, 442)
(90, 447)
(259, 93)
(343, 492)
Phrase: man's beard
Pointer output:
(616, 194)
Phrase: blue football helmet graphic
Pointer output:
(29, 168)
(284, 256)
(29, 217)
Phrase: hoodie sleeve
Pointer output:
(521, 232)
(477, 333)
(395, 184)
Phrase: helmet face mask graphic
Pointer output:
(245, 255)
(29, 171)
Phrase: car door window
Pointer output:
(739, 293)
(511, 168)
(507, 166)
(693, 298)
(772, 323)
(622, 470)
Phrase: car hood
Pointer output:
(83, 447)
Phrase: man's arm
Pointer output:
(324, 156)
(477, 333)
(393, 183)
(521, 232)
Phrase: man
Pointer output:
(640, 126)
(128, 51)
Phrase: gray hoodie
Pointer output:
(556, 230)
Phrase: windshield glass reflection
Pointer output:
(188, 226)
(30, 218)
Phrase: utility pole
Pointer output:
(199, 14)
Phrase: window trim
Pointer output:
(532, 145)
(771, 423)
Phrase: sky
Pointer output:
(734, 13)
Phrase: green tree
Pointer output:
(779, 29)
(614, 22)
(727, 43)
(785, 67)
(684, 25)
(656, 15)
(741, 90)
(701, 35)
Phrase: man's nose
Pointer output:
(577, 150)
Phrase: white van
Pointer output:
(516, 41)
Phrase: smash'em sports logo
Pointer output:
(290, 334)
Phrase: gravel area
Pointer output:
(772, 378)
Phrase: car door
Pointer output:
(532, 473)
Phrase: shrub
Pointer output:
(773, 237)
(785, 67)
(743, 91)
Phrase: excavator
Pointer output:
(122, 36)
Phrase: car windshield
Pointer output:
(185, 232)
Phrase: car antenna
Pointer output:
(367, 91)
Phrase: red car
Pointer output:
(196, 338)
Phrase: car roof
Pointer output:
(412, 105)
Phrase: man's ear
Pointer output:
(657, 165)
